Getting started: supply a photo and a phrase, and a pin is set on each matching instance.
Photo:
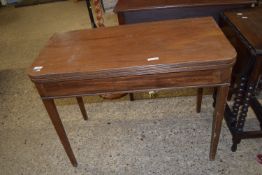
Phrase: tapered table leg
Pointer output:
(214, 96)
(221, 100)
(54, 116)
(131, 97)
(199, 99)
(82, 107)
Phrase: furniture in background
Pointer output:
(201, 56)
(90, 12)
(134, 11)
(244, 30)
(98, 9)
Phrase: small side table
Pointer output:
(201, 56)
(244, 29)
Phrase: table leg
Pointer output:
(121, 18)
(236, 140)
(54, 116)
(131, 97)
(238, 100)
(103, 5)
(221, 100)
(244, 109)
(91, 16)
(254, 71)
(214, 96)
(239, 124)
(82, 107)
(199, 99)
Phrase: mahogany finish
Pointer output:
(71, 55)
(81, 104)
(133, 11)
(199, 99)
(244, 29)
(130, 58)
(130, 5)
(221, 99)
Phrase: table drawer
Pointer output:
(135, 83)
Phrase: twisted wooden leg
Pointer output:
(244, 109)
(237, 101)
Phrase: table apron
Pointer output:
(154, 14)
(204, 78)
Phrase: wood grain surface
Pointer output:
(242, 20)
(130, 5)
(175, 45)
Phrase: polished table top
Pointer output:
(134, 50)
(242, 20)
(129, 5)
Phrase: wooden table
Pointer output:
(134, 11)
(131, 58)
(137, 11)
(244, 29)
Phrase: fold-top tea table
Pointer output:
(141, 57)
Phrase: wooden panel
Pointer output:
(243, 53)
(157, 14)
(135, 83)
(129, 5)
(242, 20)
(117, 51)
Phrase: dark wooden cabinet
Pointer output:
(135, 11)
